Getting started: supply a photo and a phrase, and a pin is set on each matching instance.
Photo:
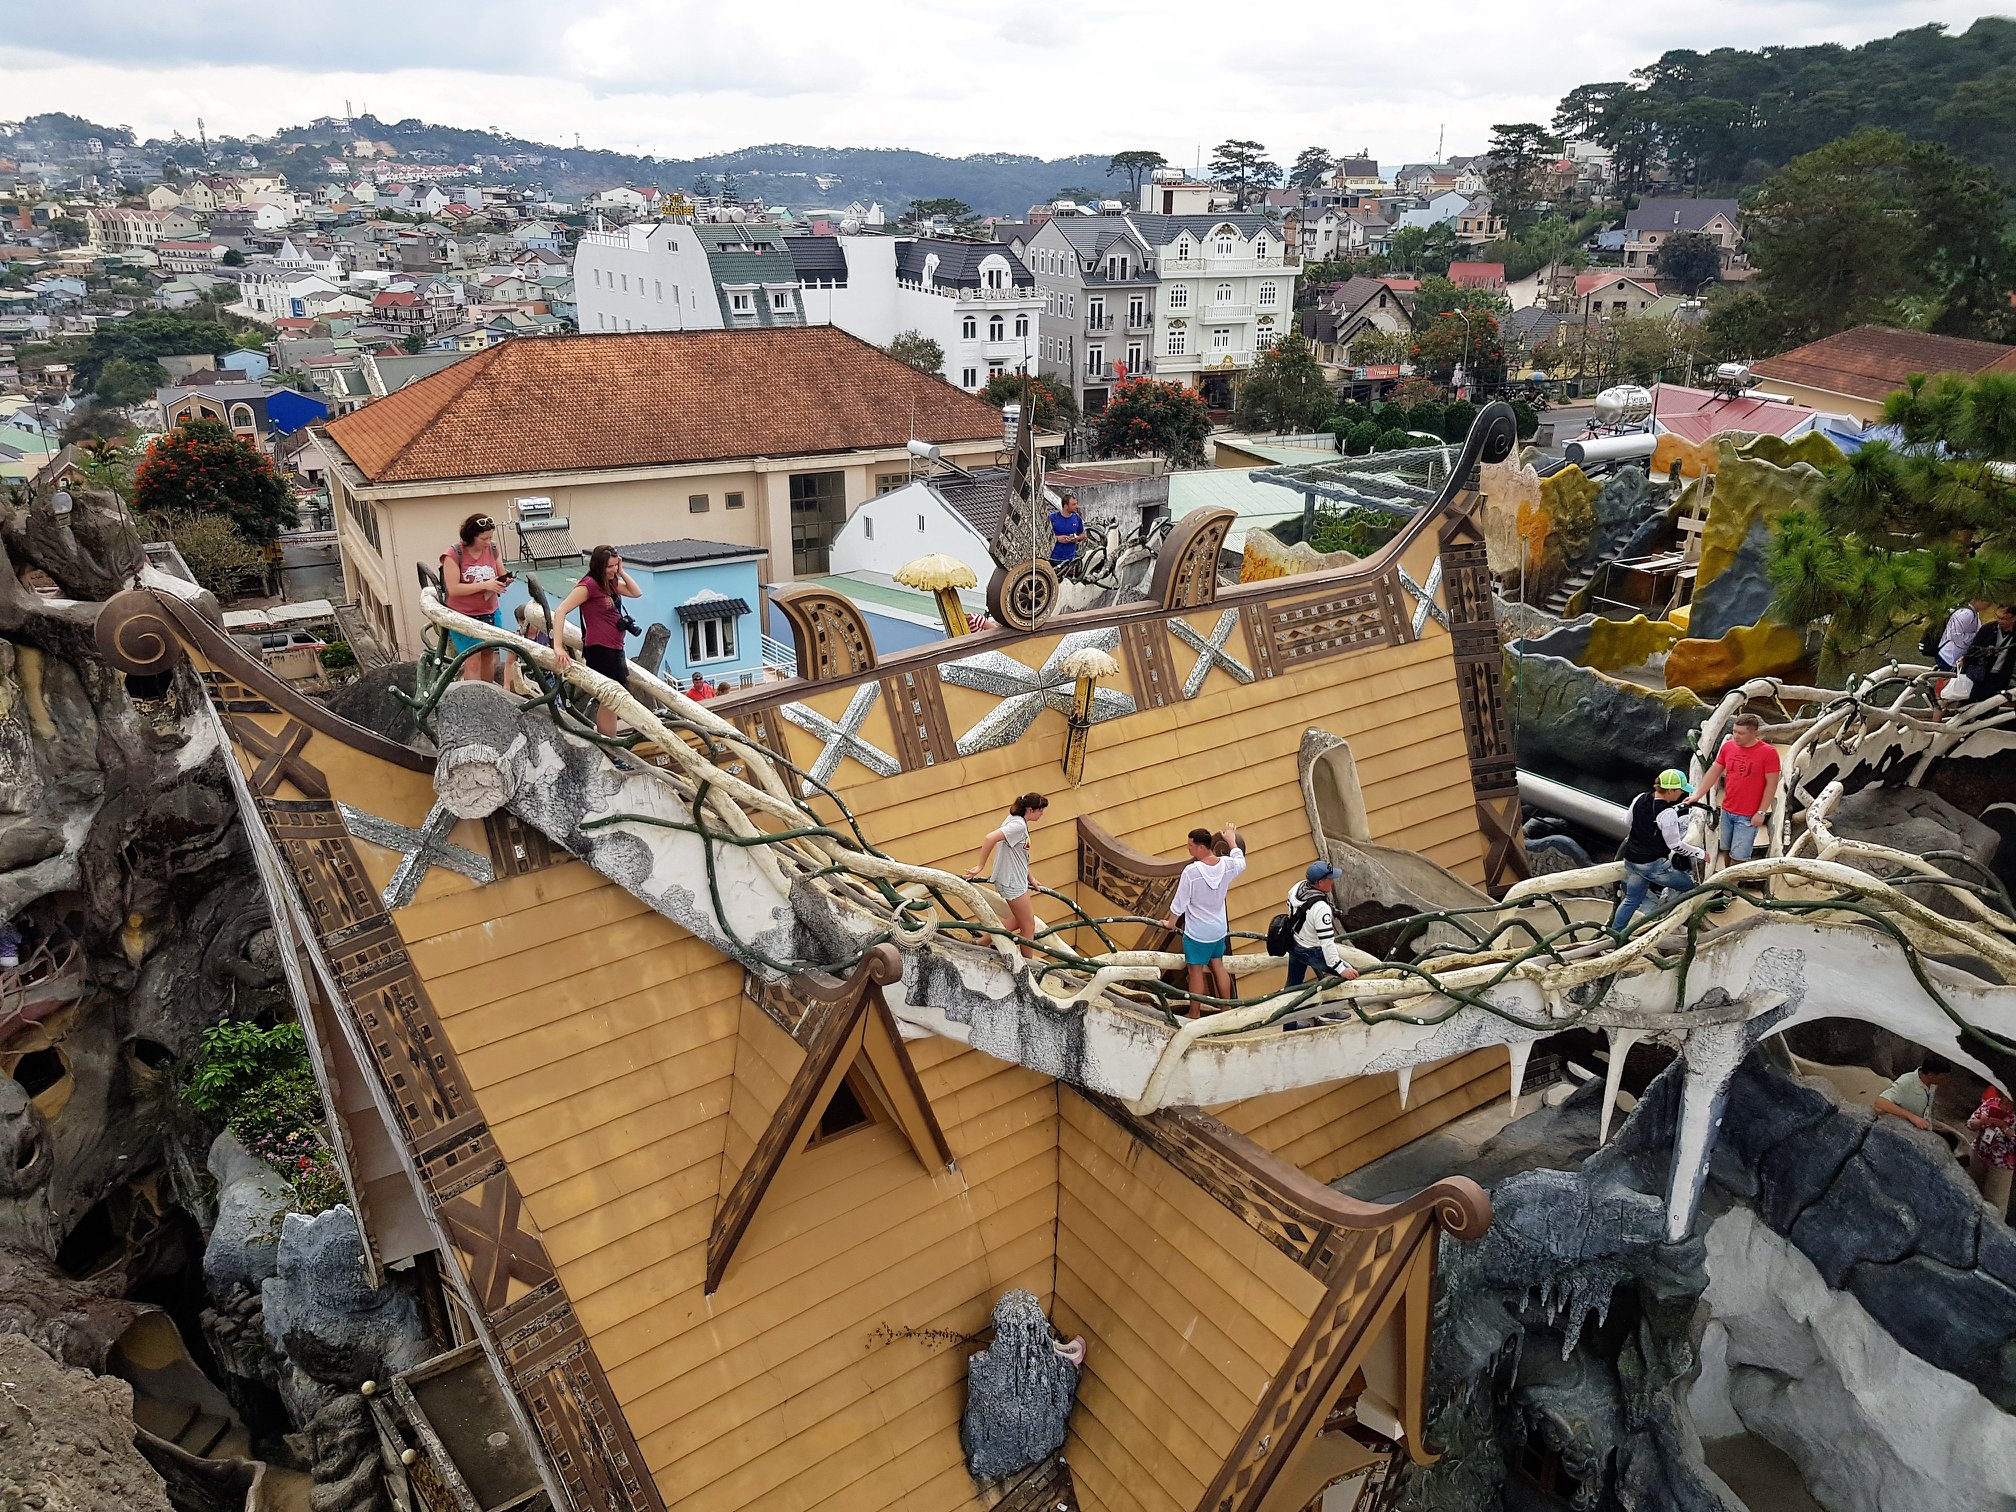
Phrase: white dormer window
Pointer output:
(780, 302)
(1226, 242)
(1183, 251)
(969, 329)
(742, 304)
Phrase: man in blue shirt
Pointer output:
(1068, 529)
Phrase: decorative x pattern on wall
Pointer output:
(1425, 606)
(842, 739)
(1210, 653)
(423, 849)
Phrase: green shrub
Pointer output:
(1528, 418)
(257, 1081)
(1394, 439)
(1364, 436)
(1425, 417)
(337, 655)
(1457, 419)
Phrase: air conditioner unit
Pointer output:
(533, 506)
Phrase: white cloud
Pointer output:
(683, 79)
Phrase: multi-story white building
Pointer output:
(115, 229)
(1225, 293)
(975, 299)
(673, 275)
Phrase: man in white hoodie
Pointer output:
(1200, 899)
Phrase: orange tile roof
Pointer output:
(1872, 362)
(653, 399)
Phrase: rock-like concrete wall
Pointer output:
(1872, 1426)
(1883, 1213)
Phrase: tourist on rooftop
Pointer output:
(1067, 530)
(1991, 660)
(1993, 1160)
(1656, 850)
(1312, 920)
(473, 577)
(1747, 768)
(529, 680)
(599, 597)
(1200, 906)
(1910, 1096)
(1008, 847)
(1962, 625)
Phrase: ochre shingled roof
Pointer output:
(653, 399)
(1872, 362)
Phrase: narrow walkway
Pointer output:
(1759, 1472)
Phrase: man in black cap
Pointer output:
(1312, 916)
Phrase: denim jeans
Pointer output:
(1640, 877)
(1304, 959)
(1739, 835)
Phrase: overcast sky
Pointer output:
(683, 79)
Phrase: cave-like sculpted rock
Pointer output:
(66, 1438)
(1019, 1392)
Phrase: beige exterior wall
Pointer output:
(418, 522)
(1868, 411)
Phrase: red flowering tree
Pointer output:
(1146, 416)
(201, 468)
(1449, 342)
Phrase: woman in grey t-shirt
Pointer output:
(1009, 848)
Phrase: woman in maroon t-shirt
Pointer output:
(601, 623)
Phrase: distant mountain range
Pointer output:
(994, 183)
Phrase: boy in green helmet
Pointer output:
(1656, 850)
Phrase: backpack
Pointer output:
(1282, 927)
(1928, 643)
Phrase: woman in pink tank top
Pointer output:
(473, 576)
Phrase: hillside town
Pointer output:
(1226, 830)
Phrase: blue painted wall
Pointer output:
(287, 411)
(252, 364)
(665, 589)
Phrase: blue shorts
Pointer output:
(1739, 835)
(1202, 952)
(469, 642)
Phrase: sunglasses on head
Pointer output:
(486, 524)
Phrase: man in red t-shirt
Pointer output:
(1747, 768)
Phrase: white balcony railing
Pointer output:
(1170, 267)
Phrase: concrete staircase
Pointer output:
(1557, 601)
